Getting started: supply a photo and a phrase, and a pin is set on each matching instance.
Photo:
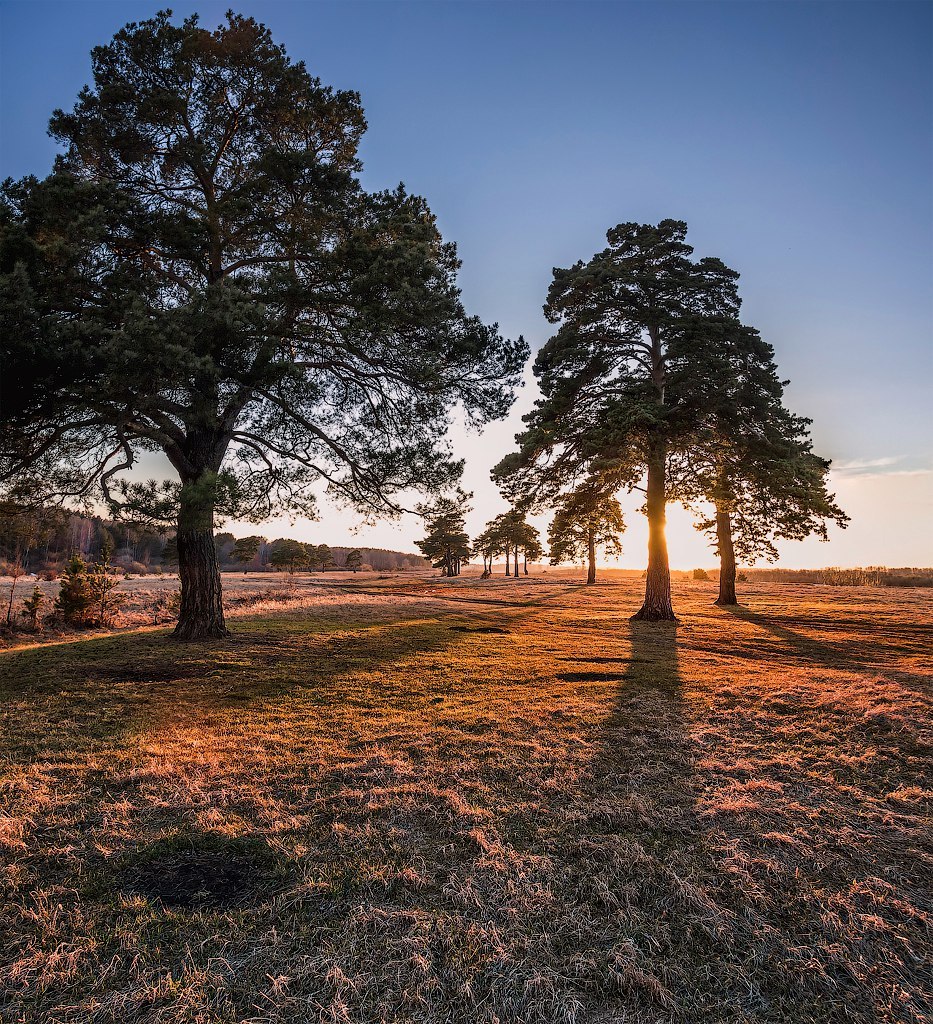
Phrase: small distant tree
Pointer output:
(102, 583)
(488, 544)
(447, 543)
(532, 550)
(321, 555)
(700, 574)
(508, 534)
(585, 520)
(353, 560)
(245, 550)
(288, 554)
(32, 609)
(75, 601)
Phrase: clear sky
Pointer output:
(796, 139)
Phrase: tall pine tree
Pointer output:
(625, 378)
(204, 275)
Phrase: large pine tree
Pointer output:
(626, 377)
(753, 460)
(203, 275)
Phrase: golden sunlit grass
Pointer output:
(477, 801)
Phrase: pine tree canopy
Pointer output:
(586, 515)
(204, 275)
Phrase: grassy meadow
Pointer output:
(409, 799)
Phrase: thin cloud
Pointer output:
(885, 466)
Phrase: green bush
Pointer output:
(32, 609)
(75, 600)
(87, 597)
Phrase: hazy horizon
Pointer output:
(795, 140)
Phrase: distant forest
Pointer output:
(41, 541)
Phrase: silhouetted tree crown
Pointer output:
(204, 275)
(584, 521)
(626, 377)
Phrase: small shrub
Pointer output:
(103, 581)
(87, 597)
(700, 574)
(75, 600)
(32, 609)
(743, 577)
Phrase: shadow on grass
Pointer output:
(646, 758)
(69, 699)
(867, 645)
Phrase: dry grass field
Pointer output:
(414, 800)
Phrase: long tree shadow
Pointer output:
(866, 646)
(67, 700)
(632, 850)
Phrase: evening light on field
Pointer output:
(465, 513)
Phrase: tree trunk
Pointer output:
(202, 611)
(726, 559)
(657, 605)
(515, 560)
(508, 553)
(525, 562)
(9, 610)
(591, 555)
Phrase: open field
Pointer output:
(408, 799)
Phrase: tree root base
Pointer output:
(653, 615)
(194, 633)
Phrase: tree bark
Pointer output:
(525, 562)
(508, 553)
(515, 561)
(726, 559)
(657, 604)
(591, 555)
(202, 612)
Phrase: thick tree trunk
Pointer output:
(202, 611)
(591, 555)
(726, 559)
(508, 553)
(515, 562)
(657, 605)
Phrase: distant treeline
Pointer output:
(870, 576)
(42, 540)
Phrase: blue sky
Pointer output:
(796, 139)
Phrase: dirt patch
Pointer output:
(206, 870)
